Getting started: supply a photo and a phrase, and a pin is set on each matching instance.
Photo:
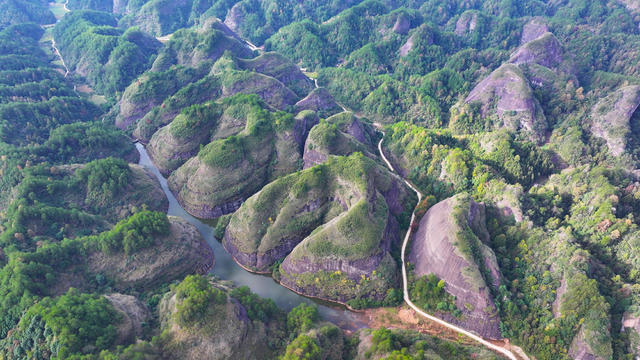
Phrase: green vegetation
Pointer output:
(137, 232)
(196, 295)
(442, 164)
(24, 11)
(112, 57)
(257, 308)
(71, 324)
(429, 293)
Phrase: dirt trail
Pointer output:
(501, 347)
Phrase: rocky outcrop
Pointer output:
(227, 333)
(235, 16)
(320, 101)
(304, 121)
(133, 312)
(443, 245)
(193, 47)
(407, 46)
(402, 24)
(506, 95)
(610, 117)
(466, 23)
(184, 251)
(227, 171)
(332, 230)
(580, 349)
(544, 50)
(280, 68)
(631, 323)
(269, 89)
(533, 29)
(341, 134)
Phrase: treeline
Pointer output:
(109, 57)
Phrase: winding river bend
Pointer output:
(225, 268)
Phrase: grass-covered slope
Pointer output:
(232, 168)
(225, 79)
(340, 134)
(333, 226)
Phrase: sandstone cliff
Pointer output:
(450, 244)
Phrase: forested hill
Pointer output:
(307, 134)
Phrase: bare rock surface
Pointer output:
(466, 23)
(544, 50)
(407, 46)
(631, 322)
(611, 115)
(184, 251)
(227, 333)
(533, 29)
(402, 24)
(321, 101)
(507, 95)
(134, 313)
(436, 249)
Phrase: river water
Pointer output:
(226, 268)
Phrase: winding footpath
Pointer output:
(53, 45)
(53, 41)
(506, 350)
(500, 349)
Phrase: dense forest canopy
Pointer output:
(296, 127)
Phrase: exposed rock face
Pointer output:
(436, 248)
(402, 24)
(466, 23)
(632, 5)
(325, 224)
(282, 69)
(272, 91)
(506, 94)
(631, 323)
(544, 50)
(133, 313)
(305, 120)
(120, 6)
(234, 17)
(209, 190)
(407, 46)
(227, 334)
(610, 117)
(184, 251)
(341, 134)
(534, 29)
(320, 101)
(580, 349)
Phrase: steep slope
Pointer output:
(87, 199)
(200, 319)
(340, 134)
(320, 101)
(333, 227)
(280, 68)
(506, 98)
(610, 118)
(181, 252)
(450, 243)
(230, 169)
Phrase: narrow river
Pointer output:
(225, 268)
